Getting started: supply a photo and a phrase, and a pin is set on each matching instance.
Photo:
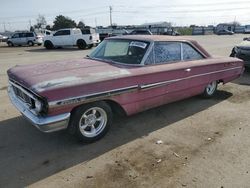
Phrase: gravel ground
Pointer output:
(205, 142)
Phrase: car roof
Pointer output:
(151, 38)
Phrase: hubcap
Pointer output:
(211, 88)
(93, 121)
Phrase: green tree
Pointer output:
(61, 22)
(81, 24)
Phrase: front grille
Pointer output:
(23, 96)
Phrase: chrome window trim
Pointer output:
(109, 93)
(157, 84)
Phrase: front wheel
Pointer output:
(210, 90)
(48, 45)
(91, 122)
(10, 44)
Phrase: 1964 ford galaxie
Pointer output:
(126, 74)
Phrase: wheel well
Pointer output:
(220, 81)
(47, 41)
(115, 107)
(80, 40)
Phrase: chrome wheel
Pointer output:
(210, 89)
(92, 122)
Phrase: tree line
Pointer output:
(60, 22)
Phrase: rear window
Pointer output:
(29, 34)
(85, 31)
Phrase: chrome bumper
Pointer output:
(44, 124)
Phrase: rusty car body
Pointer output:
(127, 74)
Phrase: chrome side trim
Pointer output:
(158, 84)
(44, 124)
(103, 94)
(109, 93)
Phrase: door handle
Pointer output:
(188, 70)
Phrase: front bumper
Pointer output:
(44, 124)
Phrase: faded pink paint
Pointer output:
(61, 80)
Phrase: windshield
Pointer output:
(122, 51)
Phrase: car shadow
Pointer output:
(27, 155)
(244, 79)
(55, 49)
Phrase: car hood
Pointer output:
(51, 75)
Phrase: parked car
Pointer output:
(140, 32)
(242, 51)
(123, 75)
(3, 38)
(247, 29)
(225, 32)
(69, 37)
(93, 36)
(171, 32)
(25, 38)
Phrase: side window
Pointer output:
(29, 35)
(62, 32)
(167, 52)
(189, 53)
(16, 35)
(66, 32)
(150, 58)
(58, 33)
(22, 35)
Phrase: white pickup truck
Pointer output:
(71, 37)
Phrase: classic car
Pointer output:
(242, 51)
(123, 75)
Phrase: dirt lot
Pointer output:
(205, 142)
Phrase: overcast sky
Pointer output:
(16, 14)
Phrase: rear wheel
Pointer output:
(48, 45)
(210, 90)
(91, 122)
(10, 44)
(30, 43)
(81, 44)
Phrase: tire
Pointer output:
(30, 43)
(91, 122)
(48, 45)
(10, 44)
(210, 90)
(90, 46)
(81, 44)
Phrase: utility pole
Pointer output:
(110, 15)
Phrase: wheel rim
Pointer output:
(30, 43)
(93, 121)
(211, 88)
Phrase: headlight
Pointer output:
(38, 106)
